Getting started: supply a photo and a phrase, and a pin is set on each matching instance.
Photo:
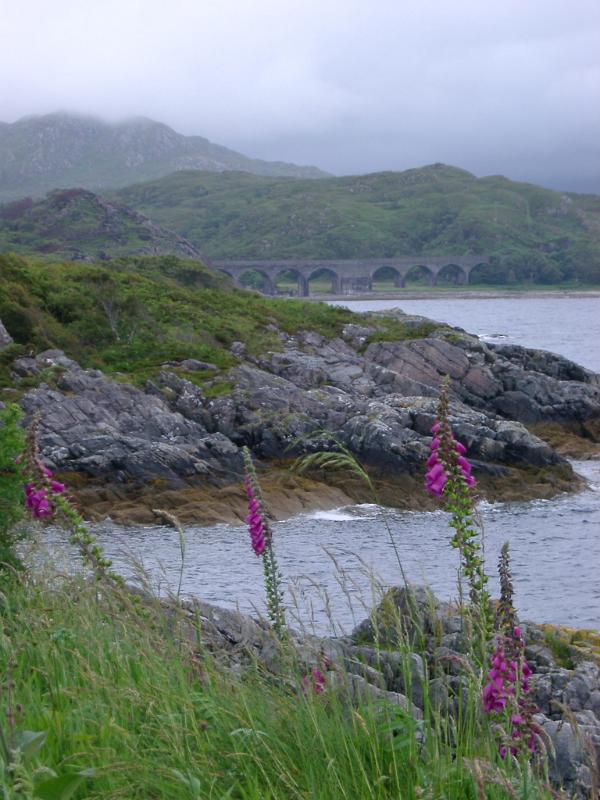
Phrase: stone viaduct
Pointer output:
(354, 275)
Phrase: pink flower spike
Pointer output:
(435, 428)
(460, 448)
(435, 472)
(435, 443)
(433, 459)
(464, 464)
(57, 487)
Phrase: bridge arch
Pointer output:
(386, 274)
(484, 272)
(322, 274)
(257, 279)
(451, 274)
(419, 274)
(284, 279)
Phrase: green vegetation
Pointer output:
(130, 315)
(534, 234)
(12, 440)
(120, 696)
(79, 225)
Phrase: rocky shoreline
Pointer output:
(413, 646)
(177, 440)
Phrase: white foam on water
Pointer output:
(335, 515)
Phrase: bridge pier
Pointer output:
(269, 287)
(352, 285)
(303, 290)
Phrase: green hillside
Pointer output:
(79, 225)
(534, 234)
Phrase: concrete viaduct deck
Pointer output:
(348, 276)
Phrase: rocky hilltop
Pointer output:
(126, 448)
(40, 153)
(76, 224)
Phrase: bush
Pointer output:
(12, 440)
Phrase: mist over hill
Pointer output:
(61, 150)
(532, 233)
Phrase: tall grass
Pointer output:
(119, 692)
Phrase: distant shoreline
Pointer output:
(458, 294)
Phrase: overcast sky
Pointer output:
(504, 86)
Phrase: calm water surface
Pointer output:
(333, 562)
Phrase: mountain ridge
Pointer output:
(61, 150)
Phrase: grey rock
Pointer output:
(359, 691)
(193, 365)
(539, 655)
(238, 349)
(5, 337)
(105, 429)
(406, 614)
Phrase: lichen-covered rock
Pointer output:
(103, 429)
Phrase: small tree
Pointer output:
(12, 440)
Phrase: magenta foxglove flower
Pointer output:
(39, 500)
(254, 519)
(505, 682)
(437, 474)
(315, 681)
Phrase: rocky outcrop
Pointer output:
(567, 699)
(78, 225)
(115, 432)
(379, 403)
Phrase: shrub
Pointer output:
(11, 485)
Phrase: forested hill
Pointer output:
(533, 233)
(61, 150)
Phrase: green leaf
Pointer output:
(31, 742)
(188, 780)
(62, 787)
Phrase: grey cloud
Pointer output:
(507, 87)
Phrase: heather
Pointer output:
(132, 315)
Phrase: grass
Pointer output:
(154, 717)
